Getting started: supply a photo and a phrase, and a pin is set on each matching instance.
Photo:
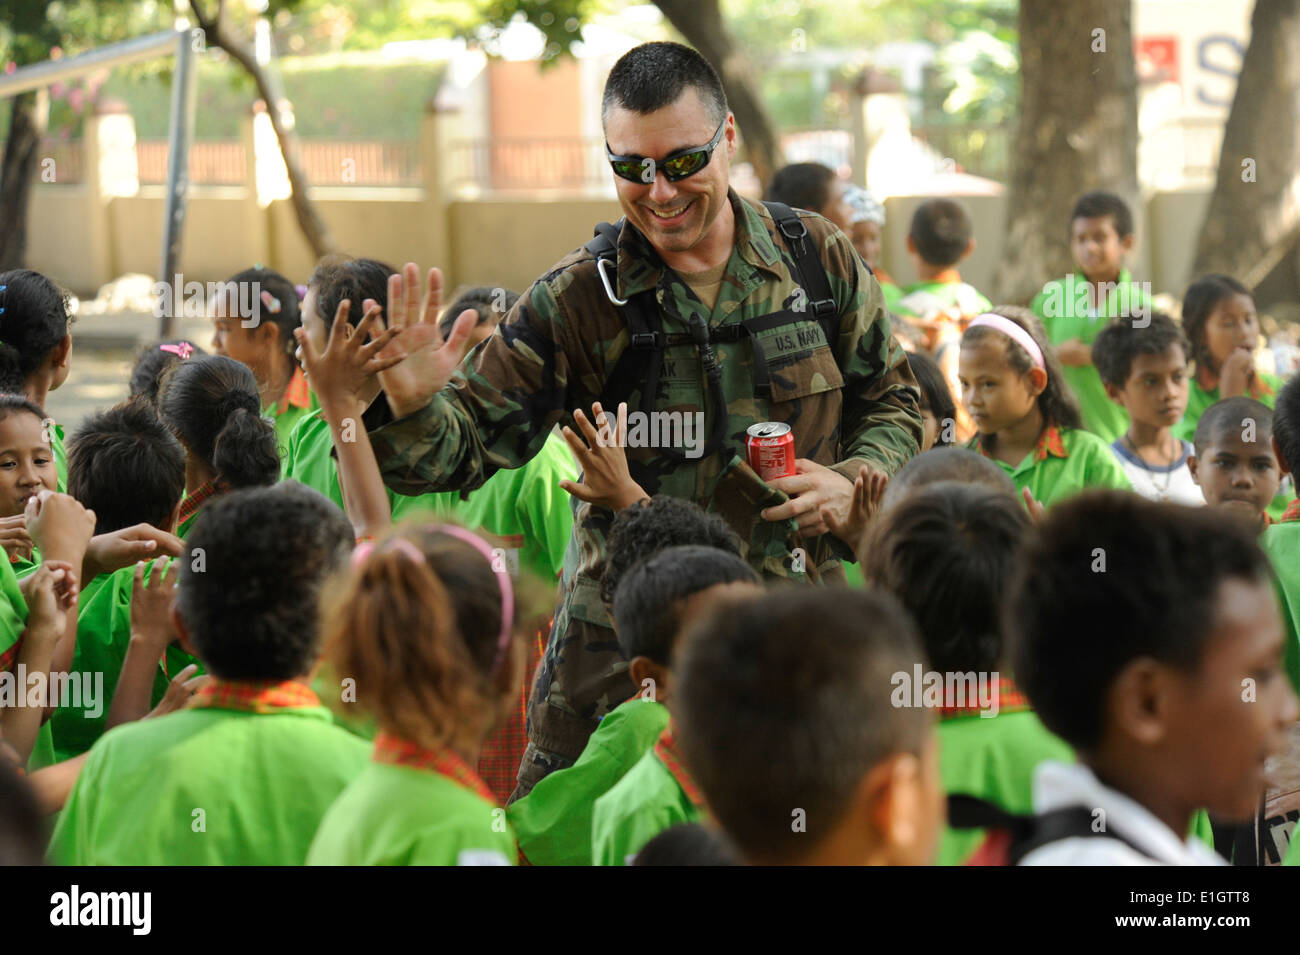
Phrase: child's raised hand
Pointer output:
(868, 489)
(14, 537)
(180, 691)
(59, 525)
(45, 591)
(1237, 371)
(342, 372)
(122, 548)
(605, 477)
(1037, 513)
(151, 606)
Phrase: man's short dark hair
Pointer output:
(784, 702)
(946, 464)
(1094, 205)
(1286, 423)
(802, 185)
(1121, 341)
(654, 524)
(653, 75)
(126, 466)
(1228, 414)
(1073, 628)
(648, 598)
(948, 553)
(251, 606)
(941, 230)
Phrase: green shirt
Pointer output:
(299, 402)
(993, 758)
(13, 620)
(1065, 462)
(60, 458)
(401, 815)
(554, 821)
(1281, 542)
(1063, 305)
(645, 802)
(207, 785)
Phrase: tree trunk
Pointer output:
(17, 169)
(1254, 213)
(700, 22)
(313, 226)
(1078, 132)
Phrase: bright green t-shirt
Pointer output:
(103, 634)
(401, 815)
(207, 786)
(60, 458)
(645, 802)
(993, 758)
(553, 822)
(1282, 544)
(1058, 469)
(1199, 399)
(13, 620)
(1064, 308)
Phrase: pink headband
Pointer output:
(1013, 331)
(184, 349)
(401, 544)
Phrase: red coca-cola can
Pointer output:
(769, 445)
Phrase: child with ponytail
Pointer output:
(1027, 419)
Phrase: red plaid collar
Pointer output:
(399, 752)
(1050, 442)
(665, 749)
(1292, 512)
(1010, 700)
(255, 696)
(201, 494)
(296, 393)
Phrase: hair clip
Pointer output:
(300, 289)
(271, 302)
(184, 349)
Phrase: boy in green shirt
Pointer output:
(1076, 308)
(659, 596)
(245, 774)
(1234, 462)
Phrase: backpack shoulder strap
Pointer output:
(812, 274)
(643, 358)
(1028, 832)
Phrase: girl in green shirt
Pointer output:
(26, 466)
(1027, 419)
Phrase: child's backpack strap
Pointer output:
(1027, 833)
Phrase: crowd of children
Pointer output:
(1072, 634)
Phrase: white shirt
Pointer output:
(1171, 483)
(1058, 785)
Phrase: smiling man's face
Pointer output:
(677, 217)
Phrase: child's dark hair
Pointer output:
(1286, 424)
(948, 553)
(648, 598)
(1094, 205)
(799, 679)
(126, 466)
(213, 405)
(156, 360)
(250, 607)
(946, 464)
(802, 185)
(1233, 414)
(420, 636)
(690, 843)
(936, 396)
(1057, 403)
(33, 320)
(1121, 341)
(491, 303)
(284, 311)
(1073, 629)
(644, 529)
(336, 278)
(1199, 302)
(11, 404)
(941, 230)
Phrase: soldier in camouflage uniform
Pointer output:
(850, 402)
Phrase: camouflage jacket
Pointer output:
(848, 402)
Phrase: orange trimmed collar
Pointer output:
(399, 752)
(1050, 442)
(1010, 700)
(1292, 512)
(665, 749)
(948, 276)
(1209, 381)
(255, 696)
(296, 394)
(202, 493)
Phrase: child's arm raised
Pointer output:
(605, 477)
(340, 375)
(151, 632)
(47, 602)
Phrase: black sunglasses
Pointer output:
(675, 166)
